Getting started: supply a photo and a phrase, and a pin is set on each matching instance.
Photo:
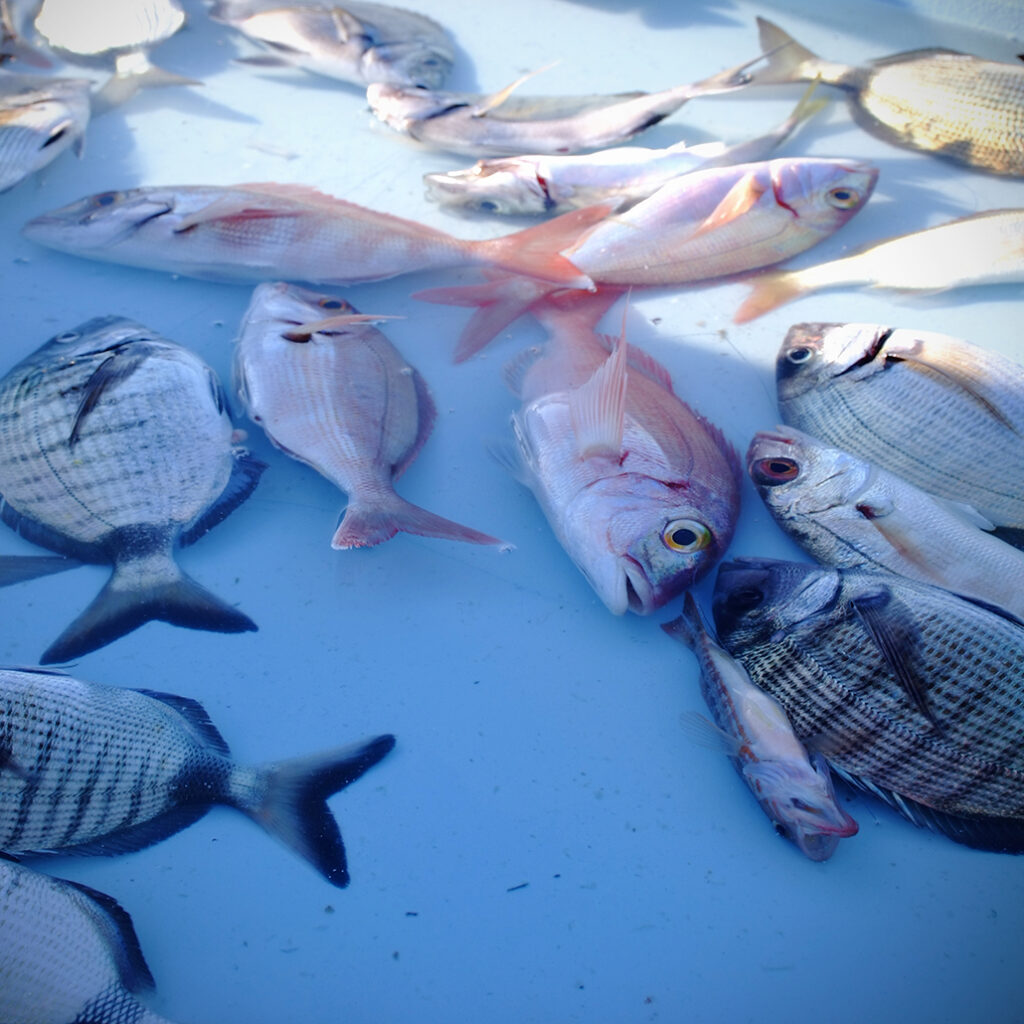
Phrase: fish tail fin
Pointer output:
(365, 525)
(129, 79)
(289, 800)
(688, 627)
(769, 292)
(122, 606)
(788, 61)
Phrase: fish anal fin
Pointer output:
(196, 715)
(598, 407)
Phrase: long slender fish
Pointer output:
(117, 450)
(952, 104)
(355, 42)
(851, 513)
(908, 690)
(944, 414)
(931, 260)
(331, 391)
(70, 954)
(266, 232)
(794, 790)
(101, 770)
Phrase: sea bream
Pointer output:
(266, 232)
(330, 390)
(356, 42)
(908, 690)
(793, 789)
(70, 954)
(944, 414)
(118, 449)
(641, 491)
(100, 770)
(851, 513)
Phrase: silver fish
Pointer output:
(331, 390)
(101, 770)
(942, 413)
(18, 37)
(117, 449)
(39, 119)
(358, 42)
(907, 689)
(850, 513)
(70, 953)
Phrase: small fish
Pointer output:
(955, 105)
(850, 513)
(711, 223)
(641, 491)
(946, 415)
(931, 260)
(907, 690)
(540, 183)
(70, 953)
(794, 790)
(265, 232)
(330, 390)
(39, 119)
(101, 770)
(358, 42)
(117, 449)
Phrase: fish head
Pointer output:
(411, 62)
(402, 106)
(509, 187)
(821, 194)
(291, 305)
(101, 334)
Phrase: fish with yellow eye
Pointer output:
(640, 490)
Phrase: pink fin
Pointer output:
(769, 292)
(231, 209)
(584, 309)
(736, 202)
(369, 525)
(598, 407)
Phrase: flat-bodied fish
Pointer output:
(641, 491)
(70, 953)
(907, 689)
(942, 413)
(793, 789)
(851, 513)
(952, 104)
(101, 770)
(982, 248)
(711, 223)
(542, 184)
(331, 391)
(39, 119)
(355, 42)
(266, 232)
(118, 449)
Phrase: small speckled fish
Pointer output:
(908, 690)
(851, 513)
(795, 791)
(944, 414)
(118, 449)
(354, 42)
(944, 102)
(101, 770)
(331, 390)
(70, 954)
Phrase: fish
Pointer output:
(39, 119)
(543, 184)
(850, 513)
(359, 42)
(118, 450)
(96, 770)
(954, 105)
(944, 414)
(70, 953)
(18, 37)
(931, 260)
(330, 390)
(908, 690)
(793, 789)
(641, 491)
(267, 231)
(699, 226)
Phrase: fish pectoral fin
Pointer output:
(704, 733)
(966, 512)
(303, 332)
(495, 100)
(228, 209)
(598, 407)
(117, 367)
(737, 201)
(346, 24)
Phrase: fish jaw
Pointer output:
(508, 187)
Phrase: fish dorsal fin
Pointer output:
(516, 369)
(736, 202)
(495, 100)
(245, 475)
(193, 712)
(426, 412)
(346, 24)
(598, 407)
(115, 369)
(643, 362)
(303, 332)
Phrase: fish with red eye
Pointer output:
(770, 472)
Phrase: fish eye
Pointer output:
(686, 536)
(775, 471)
(333, 304)
(745, 599)
(65, 337)
(105, 199)
(842, 198)
(488, 206)
(799, 355)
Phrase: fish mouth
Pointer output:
(621, 585)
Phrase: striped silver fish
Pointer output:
(117, 449)
(100, 770)
(908, 690)
(70, 953)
